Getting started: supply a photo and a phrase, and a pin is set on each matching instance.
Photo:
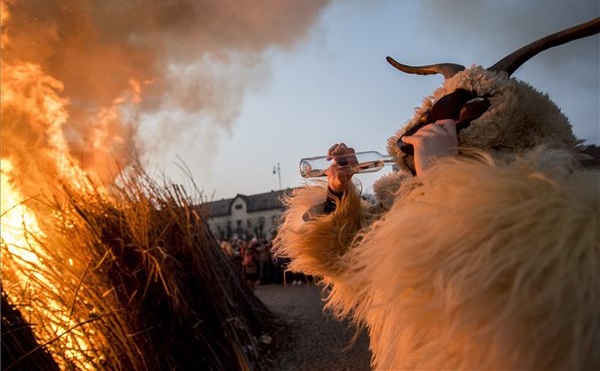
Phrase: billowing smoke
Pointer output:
(108, 66)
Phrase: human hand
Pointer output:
(340, 172)
(433, 141)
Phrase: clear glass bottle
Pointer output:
(368, 162)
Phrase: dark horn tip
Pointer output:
(419, 70)
(446, 69)
(513, 61)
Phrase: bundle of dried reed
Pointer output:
(130, 278)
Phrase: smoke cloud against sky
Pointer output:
(232, 88)
(112, 63)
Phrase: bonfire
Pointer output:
(124, 277)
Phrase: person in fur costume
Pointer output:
(483, 249)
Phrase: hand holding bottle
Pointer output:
(360, 162)
(341, 170)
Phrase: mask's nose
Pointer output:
(406, 148)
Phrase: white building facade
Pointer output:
(246, 217)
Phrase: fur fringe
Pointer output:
(479, 264)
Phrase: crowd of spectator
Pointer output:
(257, 264)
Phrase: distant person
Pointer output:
(265, 261)
(227, 248)
(250, 265)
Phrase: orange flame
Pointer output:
(73, 78)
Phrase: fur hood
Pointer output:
(520, 117)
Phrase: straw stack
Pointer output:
(131, 278)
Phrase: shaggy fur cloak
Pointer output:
(490, 260)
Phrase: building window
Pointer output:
(260, 230)
(239, 206)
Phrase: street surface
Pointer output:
(314, 339)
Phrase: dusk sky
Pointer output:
(336, 85)
(232, 89)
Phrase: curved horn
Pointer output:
(511, 62)
(446, 69)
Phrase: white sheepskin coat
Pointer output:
(490, 260)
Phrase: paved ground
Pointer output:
(312, 339)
